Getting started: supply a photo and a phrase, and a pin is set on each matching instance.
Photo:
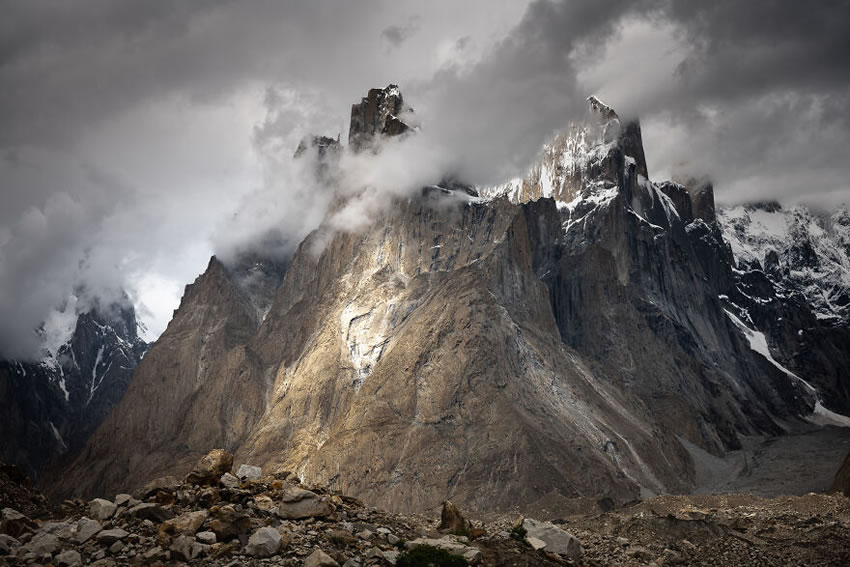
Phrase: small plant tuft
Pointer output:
(429, 556)
(518, 532)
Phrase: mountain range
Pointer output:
(577, 335)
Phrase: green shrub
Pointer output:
(518, 532)
(429, 556)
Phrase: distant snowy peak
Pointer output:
(799, 250)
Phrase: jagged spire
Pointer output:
(382, 112)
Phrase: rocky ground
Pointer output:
(216, 517)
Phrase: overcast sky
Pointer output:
(138, 138)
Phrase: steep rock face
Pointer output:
(198, 386)
(552, 339)
(51, 408)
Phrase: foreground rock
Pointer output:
(264, 542)
(210, 468)
(218, 526)
(552, 538)
(297, 504)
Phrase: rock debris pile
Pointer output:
(254, 518)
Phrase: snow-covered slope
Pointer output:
(799, 250)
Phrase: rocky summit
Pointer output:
(577, 338)
(170, 522)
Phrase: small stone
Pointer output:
(108, 537)
(43, 545)
(70, 558)
(85, 529)
(390, 556)
(264, 542)
(249, 472)
(101, 509)
(207, 538)
(639, 552)
(153, 553)
(365, 534)
(116, 547)
(227, 480)
(622, 542)
(670, 557)
(181, 548)
(198, 550)
(393, 539)
(264, 503)
(123, 500)
(8, 544)
(320, 559)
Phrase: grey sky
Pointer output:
(131, 133)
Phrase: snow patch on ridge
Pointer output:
(758, 343)
(798, 250)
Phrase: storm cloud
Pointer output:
(136, 139)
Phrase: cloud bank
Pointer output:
(136, 139)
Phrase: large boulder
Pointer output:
(85, 529)
(249, 472)
(841, 484)
(264, 542)
(298, 503)
(108, 537)
(184, 524)
(101, 509)
(227, 523)
(210, 467)
(43, 545)
(555, 539)
(451, 520)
